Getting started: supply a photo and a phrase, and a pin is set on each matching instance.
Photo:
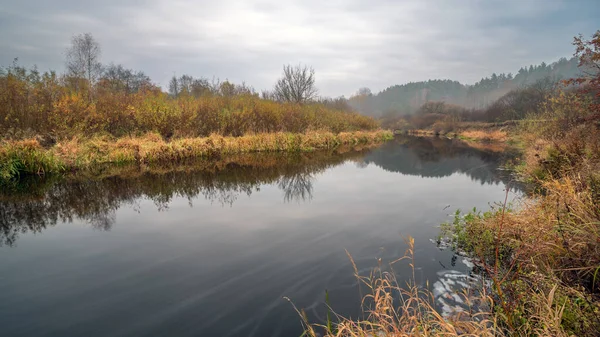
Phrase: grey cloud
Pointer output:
(350, 44)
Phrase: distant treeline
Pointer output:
(528, 95)
(408, 98)
(92, 98)
(444, 117)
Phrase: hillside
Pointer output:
(406, 98)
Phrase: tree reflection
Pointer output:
(297, 187)
(442, 157)
(103, 222)
(35, 204)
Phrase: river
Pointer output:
(184, 251)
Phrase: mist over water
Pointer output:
(213, 252)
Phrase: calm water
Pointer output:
(213, 253)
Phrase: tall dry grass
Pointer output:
(485, 135)
(30, 157)
(551, 243)
(392, 309)
(540, 272)
(476, 132)
(27, 156)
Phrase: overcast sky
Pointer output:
(350, 43)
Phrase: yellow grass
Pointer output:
(78, 153)
(485, 135)
(395, 310)
(470, 131)
(487, 146)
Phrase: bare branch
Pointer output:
(296, 85)
(83, 58)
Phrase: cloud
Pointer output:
(350, 44)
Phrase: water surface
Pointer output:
(212, 252)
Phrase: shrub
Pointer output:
(47, 104)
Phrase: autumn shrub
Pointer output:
(445, 126)
(50, 105)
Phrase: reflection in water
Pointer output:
(296, 187)
(36, 204)
(440, 157)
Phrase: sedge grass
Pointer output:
(29, 157)
(26, 157)
(392, 309)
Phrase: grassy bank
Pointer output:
(478, 132)
(544, 257)
(541, 258)
(30, 157)
(51, 123)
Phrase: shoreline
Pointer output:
(29, 157)
(476, 134)
(542, 259)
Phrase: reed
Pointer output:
(26, 157)
(29, 157)
(396, 310)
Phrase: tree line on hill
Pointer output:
(537, 94)
(406, 99)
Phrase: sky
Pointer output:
(349, 43)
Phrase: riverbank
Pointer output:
(540, 259)
(30, 157)
(543, 258)
(468, 131)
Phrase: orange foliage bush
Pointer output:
(31, 103)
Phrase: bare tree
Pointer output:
(297, 84)
(200, 87)
(174, 89)
(118, 78)
(269, 95)
(185, 84)
(297, 186)
(83, 58)
(188, 85)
